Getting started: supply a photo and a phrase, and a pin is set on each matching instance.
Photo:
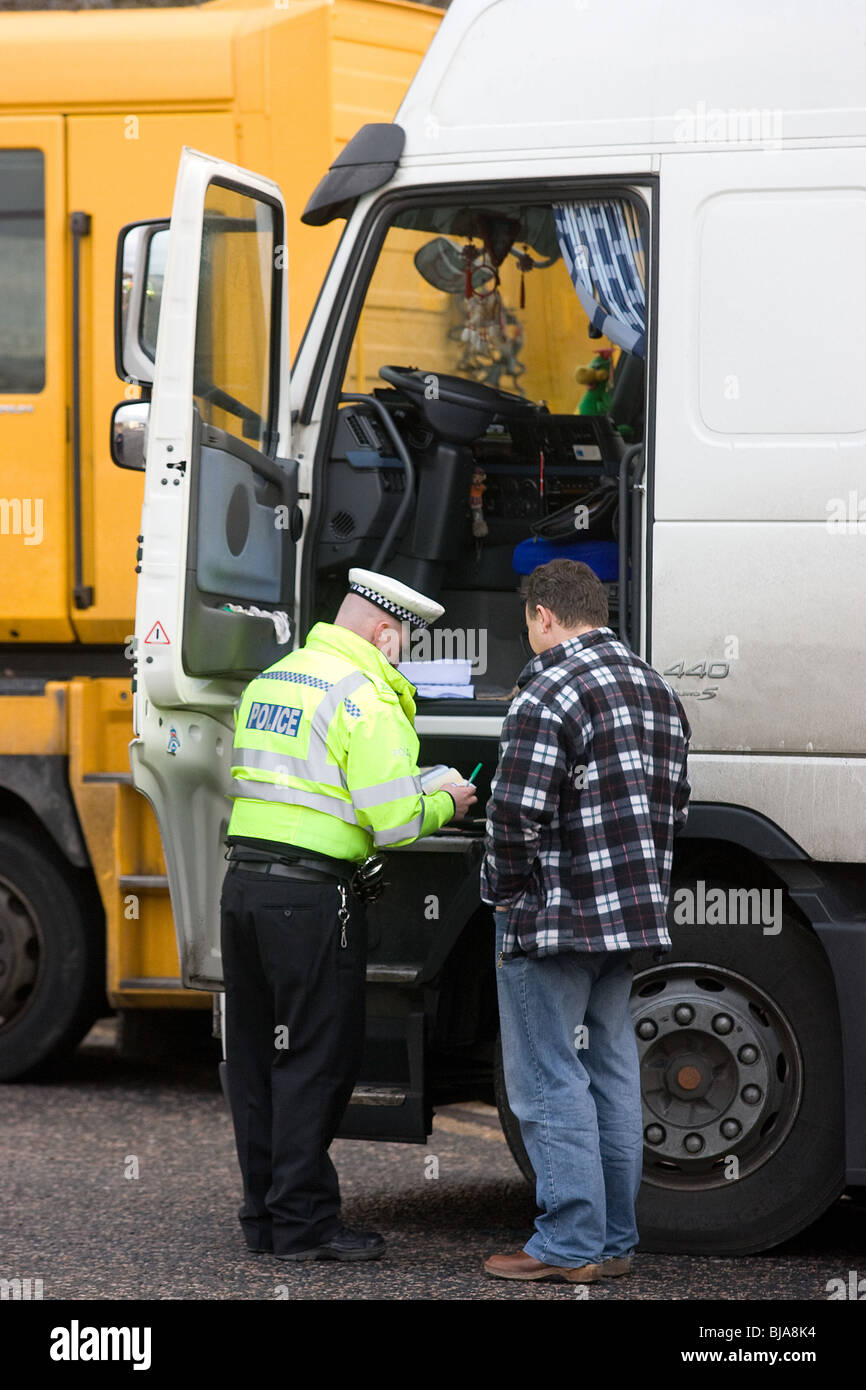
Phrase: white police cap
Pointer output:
(395, 598)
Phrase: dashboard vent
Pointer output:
(357, 429)
(342, 525)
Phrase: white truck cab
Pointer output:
(677, 192)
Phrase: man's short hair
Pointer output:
(571, 590)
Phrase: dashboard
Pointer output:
(533, 466)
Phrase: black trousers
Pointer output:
(294, 1040)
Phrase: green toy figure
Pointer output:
(596, 400)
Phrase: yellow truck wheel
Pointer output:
(51, 956)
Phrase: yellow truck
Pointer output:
(95, 108)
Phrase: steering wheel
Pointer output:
(456, 410)
(456, 390)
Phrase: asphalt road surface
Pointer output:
(120, 1181)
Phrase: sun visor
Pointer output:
(369, 160)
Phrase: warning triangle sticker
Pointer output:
(157, 637)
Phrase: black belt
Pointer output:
(296, 871)
(314, 868)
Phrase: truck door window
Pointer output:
(233, 384)
(482, 335)
(22, 271)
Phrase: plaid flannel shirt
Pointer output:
(590, 788)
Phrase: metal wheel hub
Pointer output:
(20, 953)
(721, 1074)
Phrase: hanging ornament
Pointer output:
(476, 502)
(485, 330)
(525, 263)
(470, 255)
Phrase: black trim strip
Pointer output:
(636, 485)
(740, 825)
(624, 535)
(79, 226)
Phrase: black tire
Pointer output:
(52, 956)
(791, 1173)
(791, 1160)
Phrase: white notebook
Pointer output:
(452, 673)
(446, 692)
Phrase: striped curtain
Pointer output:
(602, 248)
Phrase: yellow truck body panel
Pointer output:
(95, 108)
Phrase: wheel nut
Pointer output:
(730, 1128)
(693, 1143)
(722, 1023)
(684, 1013)
(748, 1054)
(654, 1134)
(646, 1029)
(751, 1094)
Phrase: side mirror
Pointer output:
(129, 434)
(139, 271)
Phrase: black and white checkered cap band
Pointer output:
(404, 614)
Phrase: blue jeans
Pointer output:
(572, 1078)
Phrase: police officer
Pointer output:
(325, 772)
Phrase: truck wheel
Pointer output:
(741, 1072)
(51, 958)
(741, 1075)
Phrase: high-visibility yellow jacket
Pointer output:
(326, 754)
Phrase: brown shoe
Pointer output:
(615, 1265)
(523, 1266)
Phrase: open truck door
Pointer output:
(220, 518)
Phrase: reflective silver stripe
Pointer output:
(295, 796)
(315, 767)
(325, 711)
(312, 769)
(386, 791)
(410, 831)
(327, 707)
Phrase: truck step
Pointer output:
(392, 974)
(143, 882)
(377, 1095)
